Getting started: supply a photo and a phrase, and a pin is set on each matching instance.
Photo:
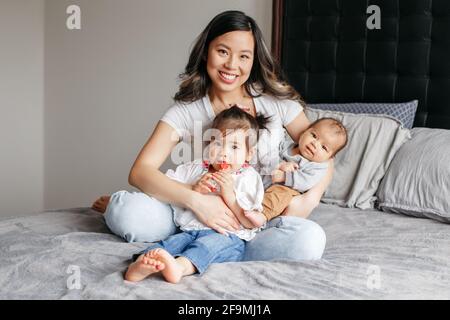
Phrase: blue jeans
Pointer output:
(135, 216)
(202, 247)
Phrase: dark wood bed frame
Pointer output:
(277, 26)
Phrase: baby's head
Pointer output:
(234, 135)
(322, 140)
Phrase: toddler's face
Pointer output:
(230, 149)
(319, 143)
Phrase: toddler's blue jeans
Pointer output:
(201, 247)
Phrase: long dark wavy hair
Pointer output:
(265, 77)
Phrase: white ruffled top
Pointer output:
(248, 187)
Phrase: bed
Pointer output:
(42, 253)
(370, 254)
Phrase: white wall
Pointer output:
(107, 85)
(21, 106)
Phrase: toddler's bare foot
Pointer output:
(101, 203)
(144, 266)
(255, 217)
(173, 271)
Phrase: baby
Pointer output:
(240, 187)
(305, 164)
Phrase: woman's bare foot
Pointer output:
(143, 267)
(255, 217)
(101, 203)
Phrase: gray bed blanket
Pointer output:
(70, 254)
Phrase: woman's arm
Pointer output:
(304, 204)
(145, 176)
(145, 170)
(297, 126)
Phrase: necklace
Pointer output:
(250, 109)
(243, 99)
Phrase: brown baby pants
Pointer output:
(276, 199)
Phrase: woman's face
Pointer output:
(230, 60)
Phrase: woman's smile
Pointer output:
(227, 77)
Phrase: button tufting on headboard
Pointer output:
(329, 55)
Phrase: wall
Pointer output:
(107, 85)
(21, 106)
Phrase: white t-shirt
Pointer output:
(190, 120)
(248, 188)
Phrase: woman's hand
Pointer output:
(212, 211)
(302, 205)
(202, 185)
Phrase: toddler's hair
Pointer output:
(234, 118)
(341, 130)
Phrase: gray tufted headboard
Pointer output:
(329, 55)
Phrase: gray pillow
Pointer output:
(360, 166)
(405, 112)
(417, 182)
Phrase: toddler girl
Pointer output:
(226, 173)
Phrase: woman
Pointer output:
(229, 64)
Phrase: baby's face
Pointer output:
(230, 149)
(319, 143)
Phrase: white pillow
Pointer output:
(373, 141)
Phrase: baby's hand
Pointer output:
(203, 186)
(278, 176)
(225, 181)
(288, 166)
